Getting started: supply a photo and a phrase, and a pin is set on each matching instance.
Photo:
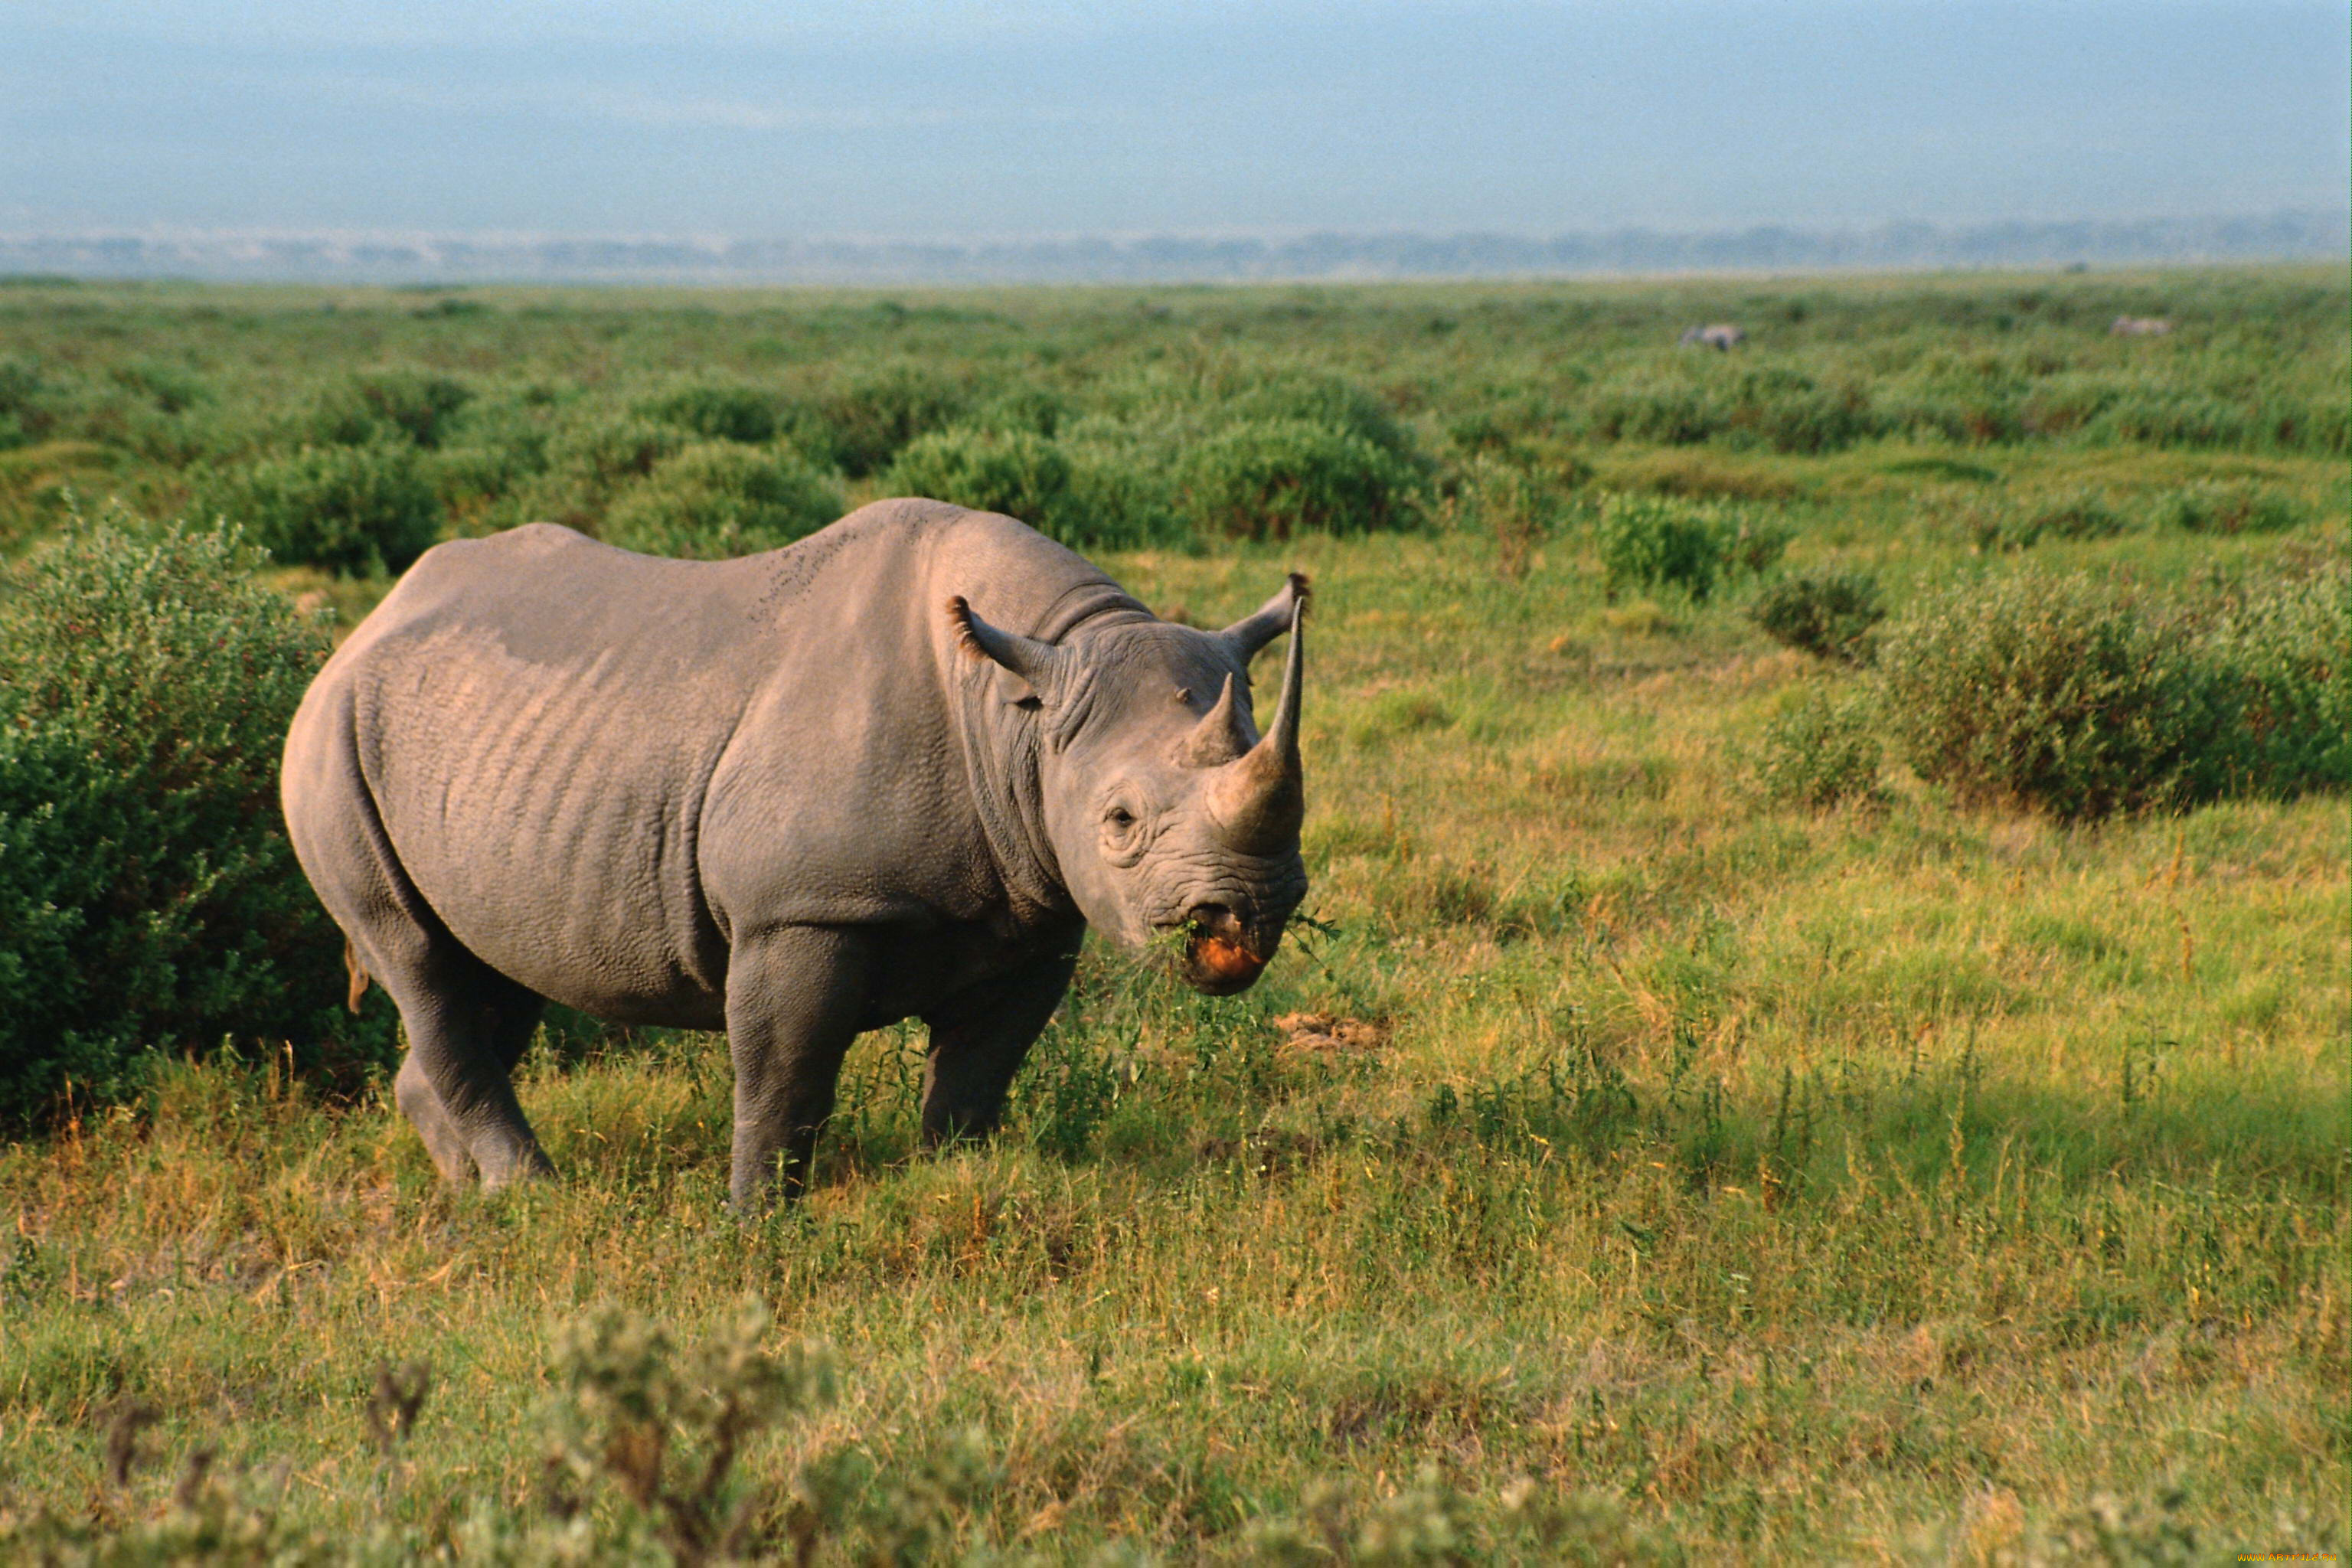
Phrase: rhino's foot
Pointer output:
(499, 1153)
(512, 1164)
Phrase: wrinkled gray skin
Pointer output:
(893, 771)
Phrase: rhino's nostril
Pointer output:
(1215, 920)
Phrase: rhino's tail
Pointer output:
(358, 973)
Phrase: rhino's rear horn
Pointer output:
(1260, 799)
(1268, 622)
(1218, 738)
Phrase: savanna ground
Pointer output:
(1624, 1162)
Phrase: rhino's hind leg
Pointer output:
(421, 1103)
(467, 1030)
(467, 1025)
(978, 1040)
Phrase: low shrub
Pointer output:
(719, 498)
(30, 402)
(168, 387)
(1122, 490)
(715, 410)
(498, 448)
(1789, 413)
(2057, 693)
(1997, 525)
(590, 459)
(1014, 472)
(1515, 506)
(149, 894)
(1688, 545)
(412, 405)
(1820, 752)
(1039, 410)
(2079, 515)
(607, 452)
(2174, 417)
(354, 509)
(871, 414)
(2224, 506)
(1272, 479)
(1660, 412)
(1330, 401)
(1831, 614)
(2282, 650)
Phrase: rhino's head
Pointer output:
(1172, 817)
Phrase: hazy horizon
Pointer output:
(931, 119)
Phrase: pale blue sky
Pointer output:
(941, 118)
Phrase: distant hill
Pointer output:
(452, 259)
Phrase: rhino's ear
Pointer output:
(1026, 668)
(1253, 632)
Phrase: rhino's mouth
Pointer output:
(1220, 958)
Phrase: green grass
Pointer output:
(1716, 1178)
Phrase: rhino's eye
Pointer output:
(1123, 833)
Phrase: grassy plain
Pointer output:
(1624, 1165)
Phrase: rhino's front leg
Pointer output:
(978, 1037)
(794, 999)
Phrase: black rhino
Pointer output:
(794, 796)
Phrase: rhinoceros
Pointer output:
(1721, 336)
(894, 770)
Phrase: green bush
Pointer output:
(1664, 412)
(1330, 401)
(354, 509)
(2222, 506)
(1010, 472)
(2078, 514)
(1786, 411)
(588, 460)
(1829, 614)
(2283, 652)
(1690, 545)
(410, 405)
(2174, 417)
(2056, 693)
(1039, 410)
(1997, 525)
(170, 388)
(1820, 752)
(716, 411)
(719, 498)
(603, 453)
(498, 447)
(1275, 477)
(149, 894)
(27, 402)
(1517, 506)
(1122, 492)
(871, 414)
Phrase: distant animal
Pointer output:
(1721, 336)
(2140, 327)
(795, 796)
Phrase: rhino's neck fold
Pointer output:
(1001, 746)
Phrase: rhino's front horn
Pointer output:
(1259, 799)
